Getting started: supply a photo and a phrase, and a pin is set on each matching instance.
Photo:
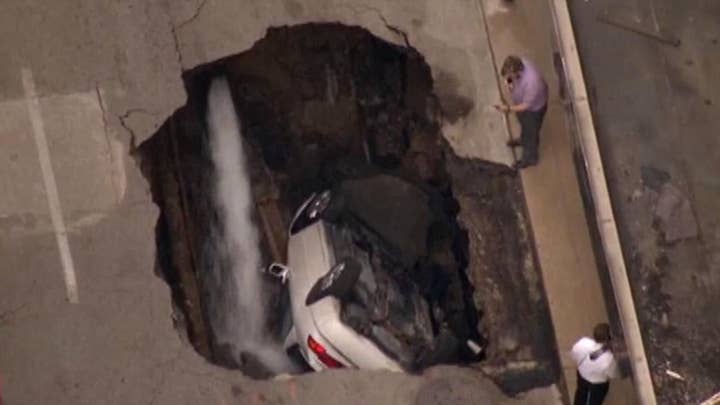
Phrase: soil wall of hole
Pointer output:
(317, 102)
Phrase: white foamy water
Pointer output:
(239, 318)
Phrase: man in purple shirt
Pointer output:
(529, 93)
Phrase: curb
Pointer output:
(581, 118)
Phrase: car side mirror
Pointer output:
(279, 271)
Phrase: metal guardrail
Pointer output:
(584, 129)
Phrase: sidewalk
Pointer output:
(555, 206)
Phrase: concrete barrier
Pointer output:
(584, 130)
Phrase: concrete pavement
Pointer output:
(105, 76)
(563, 242)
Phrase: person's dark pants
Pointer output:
(588, 393)
(530, 123)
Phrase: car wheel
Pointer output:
(333, 275)
(338, 282)
(319, 204)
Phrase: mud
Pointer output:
(320, 103)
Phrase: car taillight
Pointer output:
(322, 354)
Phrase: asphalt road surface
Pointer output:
(651, 67)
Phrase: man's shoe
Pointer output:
(513, 143)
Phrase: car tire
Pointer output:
(319, 205)
(338, 282)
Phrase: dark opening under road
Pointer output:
(317, 106)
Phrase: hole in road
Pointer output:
(310, 108)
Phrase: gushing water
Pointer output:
(239, 314)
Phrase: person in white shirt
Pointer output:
(596, 365)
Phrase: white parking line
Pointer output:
(33, 106)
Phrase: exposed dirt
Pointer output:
(320, 103)
(506, 275)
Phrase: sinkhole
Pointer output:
(309, 108)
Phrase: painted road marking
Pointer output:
(33, 106)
